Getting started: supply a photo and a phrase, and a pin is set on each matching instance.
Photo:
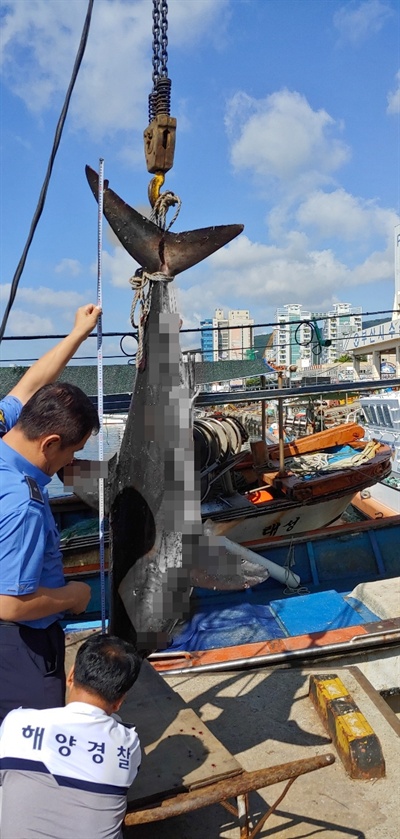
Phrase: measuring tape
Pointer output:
(100, 394)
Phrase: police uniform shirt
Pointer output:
(65, 772)
(10, 409)
(30, 553)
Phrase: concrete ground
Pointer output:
(264, 718)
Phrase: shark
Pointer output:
(159, 549)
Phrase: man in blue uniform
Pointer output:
(44, 424)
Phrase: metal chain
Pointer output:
(164, 38)
(160, 44)
(156, 41)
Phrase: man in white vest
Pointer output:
(65, 771)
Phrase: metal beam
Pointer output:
(223, 397)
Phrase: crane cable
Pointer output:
(56, 143)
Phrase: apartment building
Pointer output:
(227, 337)
(295, 343)
(341, 323)
(291, 339)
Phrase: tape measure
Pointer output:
(100, 408)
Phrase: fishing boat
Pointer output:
(381, 421)
(347, 603)
(247, 496)
(309, 487)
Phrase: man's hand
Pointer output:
(73, 597)
(86, 318)
(81, 594)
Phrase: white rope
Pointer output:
(321, 461)
(159, 212)
(139, 281)
(288, 565)
(142, 278)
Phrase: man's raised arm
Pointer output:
(49, 366)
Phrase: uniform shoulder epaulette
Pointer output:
(3, 427)
(34, 489)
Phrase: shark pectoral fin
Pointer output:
(215, 565)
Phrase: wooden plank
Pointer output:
(179, 752)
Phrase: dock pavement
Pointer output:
(265, 717)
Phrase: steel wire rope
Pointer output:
(123, 335)
(201, 328)
(55, 146)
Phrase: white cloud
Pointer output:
(25, 323)
(69, 266)
(265, 274)
(282, 137)
(341, 215)
(39, 43)
(44, 297)
(262, 277)
(358, 21)
(394, 98)
(118, 266)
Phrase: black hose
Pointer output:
(43, 192)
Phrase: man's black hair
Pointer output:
(59, 408)
(107, 666)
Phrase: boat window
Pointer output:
(387, 416)
(368, 413)
(381, 420)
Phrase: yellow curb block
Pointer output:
(355, 741)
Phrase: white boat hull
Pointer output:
(382, 422)
(379, 500)
(298, 518)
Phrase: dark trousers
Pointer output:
(31, 667)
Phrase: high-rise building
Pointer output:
(232, 338)
(295, 343)
(291, 339)
(342, 322)
(209, 339)
(396, 302)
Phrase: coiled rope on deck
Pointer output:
(320, 462)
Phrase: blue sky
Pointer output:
(288, 122)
